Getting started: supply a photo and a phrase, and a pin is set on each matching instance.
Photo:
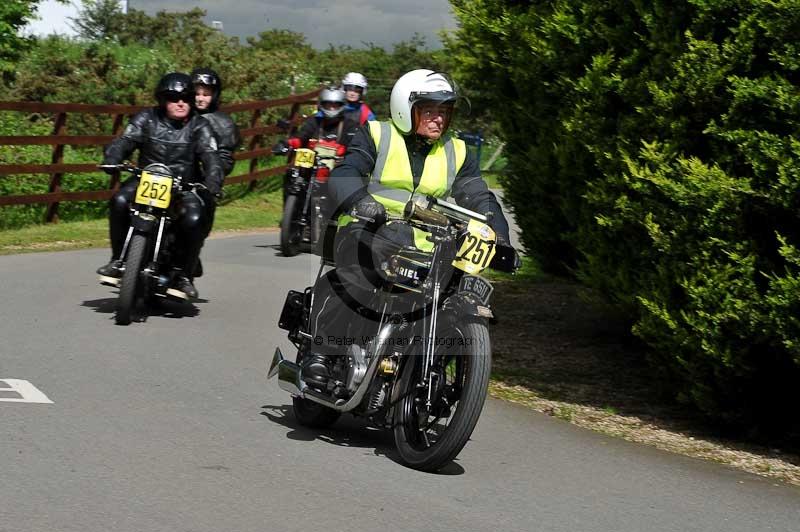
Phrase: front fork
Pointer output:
(149, 270)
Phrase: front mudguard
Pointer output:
(459, 306)
(296, 183)
(144, 225)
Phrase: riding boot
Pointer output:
(182, 287)
(119, 217)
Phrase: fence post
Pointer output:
(113, 182)
(292, 116)
(57, 158)
(254, 142)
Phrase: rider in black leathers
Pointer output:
(178, 143)
(225, 130)
(208, 90)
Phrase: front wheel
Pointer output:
(429, 436)
(130, 278)
(291, 230)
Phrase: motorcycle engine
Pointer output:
(356, 367)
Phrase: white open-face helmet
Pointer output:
(414, 87)
(354, 78)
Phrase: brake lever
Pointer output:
(126, 167)
(361, 218)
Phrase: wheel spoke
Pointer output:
(429, 437)
(425, 437)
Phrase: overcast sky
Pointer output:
(382, 22)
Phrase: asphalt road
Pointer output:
(169, 425)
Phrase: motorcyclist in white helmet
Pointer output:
(354, 85)
(385, 165)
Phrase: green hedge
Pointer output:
(653, 153)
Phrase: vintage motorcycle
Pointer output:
(305, 216)
(425, 374)
(149, 245)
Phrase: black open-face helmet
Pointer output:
(174, 85)
(210, 79)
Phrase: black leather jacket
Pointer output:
(228, 138)
(341, 130)
(177, 144)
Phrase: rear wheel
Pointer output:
(291, 230)
(430, 436)
(311, 414)
(130, 279)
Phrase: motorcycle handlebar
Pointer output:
(132, 168)
(127, 167)
(414, 211)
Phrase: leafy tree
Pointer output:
(280, 40)
(14, 15)
(97, 20)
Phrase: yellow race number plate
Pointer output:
(154, 190)
(304, 158)
(477, 249)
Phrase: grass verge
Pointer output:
(258, 210)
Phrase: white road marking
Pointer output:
(28, 392)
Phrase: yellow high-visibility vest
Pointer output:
(391, 182)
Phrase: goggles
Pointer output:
(355, 88)
(175, 97)
(204, 79)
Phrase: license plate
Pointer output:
(477, 249)
(304, 158)
(477, 286)
(154, 190)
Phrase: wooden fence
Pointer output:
(252, 136)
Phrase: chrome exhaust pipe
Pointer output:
(288, 374)
(290, 379)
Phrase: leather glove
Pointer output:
(110, 171)
(214, 189)
(501, 240)
(280, 147)
(369, 207)
(504, 251)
